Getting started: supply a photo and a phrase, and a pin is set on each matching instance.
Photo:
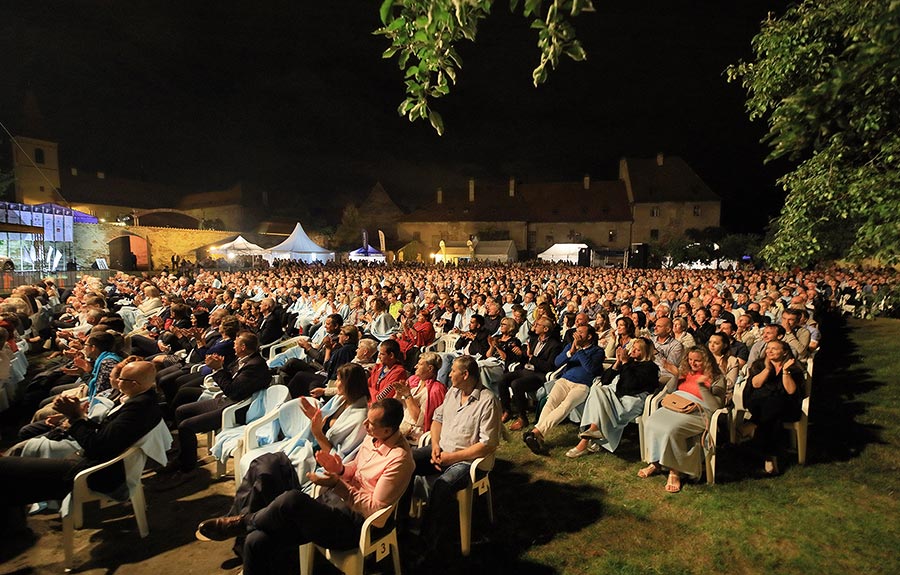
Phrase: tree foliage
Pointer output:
(348, 233)
(424, 35)
(826, 77)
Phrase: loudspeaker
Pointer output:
(639, 257)
(584, 257)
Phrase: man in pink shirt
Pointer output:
(376, 478)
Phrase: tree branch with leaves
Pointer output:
(826, 77)
(424, 35)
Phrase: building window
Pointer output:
(417, 236)
(532, 239)
(39, 155)
(612, 235)
(41, 188)
(654, 212)
(435, 240)
(697, 211)
(549, 240)
(654, 235)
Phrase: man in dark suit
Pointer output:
(33, 479)
(238, 381)
(542, 349)
(269, 329)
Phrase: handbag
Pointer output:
(679, 404)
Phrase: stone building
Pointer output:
(651, 201)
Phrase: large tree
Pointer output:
(826, 77)
(424, 35)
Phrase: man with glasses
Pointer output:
(33, 479)
(238, 381)
(542, 348)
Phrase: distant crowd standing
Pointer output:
(355, 348)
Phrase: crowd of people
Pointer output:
(375, 357)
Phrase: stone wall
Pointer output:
(92, 242)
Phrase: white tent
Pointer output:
(488, 251)
(366, 254)
(238, 247)
(562, 253)
(298, 246)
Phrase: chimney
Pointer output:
(587, 181)
(512, 187)
(660, 158)
(440, 196)
(471, 189)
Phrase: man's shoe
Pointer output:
(518, 424)
(534, 443)
(221, 528)
(177, 479)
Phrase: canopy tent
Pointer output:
(238, 247)
(366, 254)
(298, 246)
(562, 253)
(489, 251)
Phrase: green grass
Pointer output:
(837, 514)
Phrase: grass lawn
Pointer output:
(837, 514)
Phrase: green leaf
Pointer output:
(385, 10)
(436, 122)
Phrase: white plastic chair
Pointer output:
(799, 427)
(153, 444)
(282, 345)
(229, 419)
(709, 454)
(480, 481)
(271, 398)
(352, 561)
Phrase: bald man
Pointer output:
(39, 479)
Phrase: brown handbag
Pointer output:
(680, 404)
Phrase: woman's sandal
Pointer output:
(673, 483)
(649, 471)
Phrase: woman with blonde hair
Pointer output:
(617, 399)
(674, 432)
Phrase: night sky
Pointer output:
(295, 97)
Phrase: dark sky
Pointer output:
(294, 96)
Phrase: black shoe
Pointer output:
(168, 482)
(221, 528)
(534, 443)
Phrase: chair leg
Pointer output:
(221, 469)
(307, 558)
(210, 439)
(801, 444)
(395, 555)
(464, 496)
(139, 507)
(69, 542)
(640, 423)
(711, 468)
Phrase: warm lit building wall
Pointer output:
(92, 241)
(35, 182)
(542, 235)
(655, 222)
(431, 233)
